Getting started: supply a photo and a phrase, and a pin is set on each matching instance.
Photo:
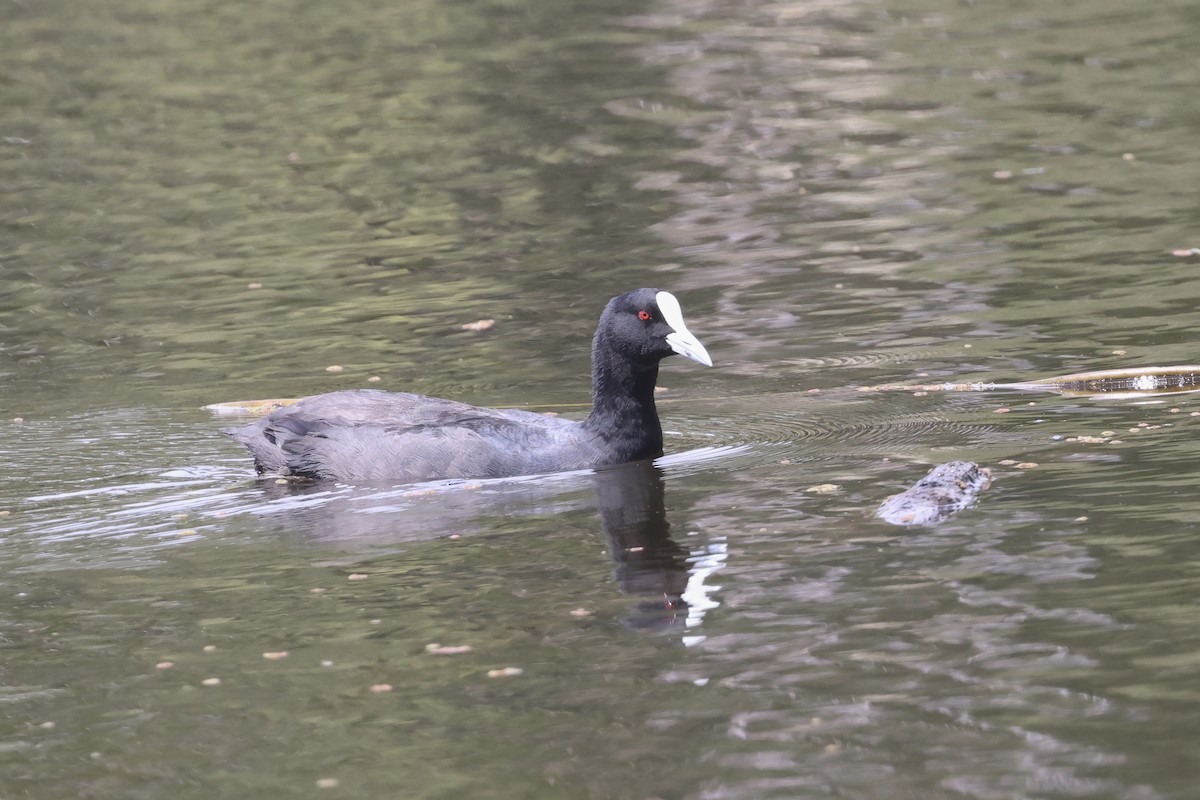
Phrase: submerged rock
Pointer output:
(946, 490)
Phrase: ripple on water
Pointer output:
(766, 428)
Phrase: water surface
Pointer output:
(218, 202)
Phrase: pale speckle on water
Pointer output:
(506, 672)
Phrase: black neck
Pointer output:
(623, 411)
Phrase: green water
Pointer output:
(207, 202)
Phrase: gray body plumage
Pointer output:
(366, 436)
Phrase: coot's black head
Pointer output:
(646, 325)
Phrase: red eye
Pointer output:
(644, 315)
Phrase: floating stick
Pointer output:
(1113, 383)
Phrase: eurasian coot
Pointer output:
(368, 436)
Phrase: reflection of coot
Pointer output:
(648, 561)
(364, 436)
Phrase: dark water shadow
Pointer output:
(648, 563)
